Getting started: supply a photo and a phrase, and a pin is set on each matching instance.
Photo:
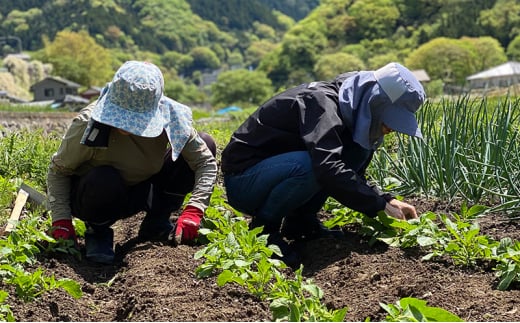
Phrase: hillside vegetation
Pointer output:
(288, 42)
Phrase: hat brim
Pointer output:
(144, 124)
(401, 120)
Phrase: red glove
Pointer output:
(188, 224)
(63, 229)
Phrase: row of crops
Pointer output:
(469, 154)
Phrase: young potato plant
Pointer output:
(507, 269)
(242, 256)
(239, 253)
(31, 285)
(6, 315)
(466, 246)
(300, 301)
(18, 250)
(411, 309)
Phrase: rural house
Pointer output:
(421, 76)
(8, 98)
(53, 88)
(503, 75)
(91, 93)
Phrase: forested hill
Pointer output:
(289, 41)
(140, 20)
(240, 14)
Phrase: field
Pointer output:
(158, 282)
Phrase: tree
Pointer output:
(502, 21)
(374, 18)
(77, 57)
(257, 50)
(240, 87)
(203, 59)
(487, 52)
(445, 59)
(329, 66)
(513, 50)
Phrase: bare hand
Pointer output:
(400, 210)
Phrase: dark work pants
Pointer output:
(101, 197)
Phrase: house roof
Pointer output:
(421, 75)
(92, 90)
(59, 80)
(506, 69)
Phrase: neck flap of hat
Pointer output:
(356, 96)
(180, 126)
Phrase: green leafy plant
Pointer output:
(411, 309)
(31, 285)
(466, 245)
(232, 245)
(6, 315)
(299, 300)
(242, 256)
(423, 232)
(508, 267)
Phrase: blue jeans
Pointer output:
(279, 186)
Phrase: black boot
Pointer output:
(156, 225)
(289, 256)
(99, 244)
(308, 227)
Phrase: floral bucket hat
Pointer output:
(134, 102)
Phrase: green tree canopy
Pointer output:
(241, 87)
(77, 57)
(374, 18)
(444, 59)
(487, 52)
(329, 66)
(204, 58)
(513, 50)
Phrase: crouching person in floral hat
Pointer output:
(132, 150)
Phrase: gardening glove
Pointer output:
(400, 210)
(187, 228)
(63, 229)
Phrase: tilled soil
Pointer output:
(157, 282)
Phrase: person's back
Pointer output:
(274, 128)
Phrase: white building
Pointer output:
(503, 75)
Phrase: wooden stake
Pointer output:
(19, 203)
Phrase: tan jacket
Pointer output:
(136, 158)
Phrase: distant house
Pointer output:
(8, 98)
(54, 88)
(421, 76)
(91, 93)
(503, 75)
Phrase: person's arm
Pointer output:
(201, 160)
(321, 129)
(63, 163)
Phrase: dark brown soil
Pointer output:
(157, 282)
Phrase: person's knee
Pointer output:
(100, 195)
(210, 142)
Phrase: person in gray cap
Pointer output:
(314, 141)
(134, 149)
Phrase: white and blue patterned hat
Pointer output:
(131, 101)
(134, 102)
